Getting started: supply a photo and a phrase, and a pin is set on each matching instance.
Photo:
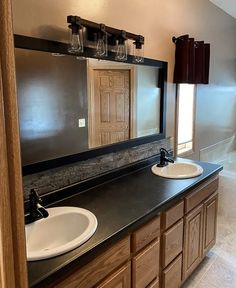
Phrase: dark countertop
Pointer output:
(120, 205)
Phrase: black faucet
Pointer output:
(36, 210)
(164, 159)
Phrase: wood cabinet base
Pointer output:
(159, 254)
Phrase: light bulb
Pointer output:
(100, 48)
(76, 41)
(138, 53)
(121, 51)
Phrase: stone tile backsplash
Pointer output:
(57, 178)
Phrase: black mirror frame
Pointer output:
(32, 43)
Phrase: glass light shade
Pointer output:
(101, 46)
(121, 51)
(76, 41)
(138, 53)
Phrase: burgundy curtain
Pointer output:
(192, 59)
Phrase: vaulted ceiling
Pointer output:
(229, 6)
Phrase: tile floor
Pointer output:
(218, 269)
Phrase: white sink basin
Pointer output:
(178, 170)
(65, 229)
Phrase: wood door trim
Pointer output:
(12, 242)
(6, 245)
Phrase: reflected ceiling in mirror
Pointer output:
(69, 105)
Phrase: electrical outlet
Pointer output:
(81, 122)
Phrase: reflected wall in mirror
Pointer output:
(69, 104)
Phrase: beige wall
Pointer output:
(158, 21)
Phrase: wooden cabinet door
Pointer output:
(119, 279)
(192, 241)
(209, 227)
(145, 266)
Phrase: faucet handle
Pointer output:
(36, 210)
(34, 196)
(163, 159)
(164, 150)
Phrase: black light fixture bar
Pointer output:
(76, 20)
(32, 43)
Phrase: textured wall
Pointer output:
(57, 178)
(158, 21)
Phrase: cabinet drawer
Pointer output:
(171, 276)
(144, 235)
(172, 243)
(119, 279)
(172, 215)
(97, 269)
(200, 194)
(145, 266)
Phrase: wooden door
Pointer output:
(110, 107)
(210, 219)
(119, 279)
(192, 241)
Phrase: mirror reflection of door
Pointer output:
(109, 118)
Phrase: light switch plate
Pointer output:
(81, 122)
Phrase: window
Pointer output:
(185, 118)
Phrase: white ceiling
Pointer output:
(229, 6)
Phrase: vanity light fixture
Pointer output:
(103, 38)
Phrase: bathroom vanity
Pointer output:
(152, 232)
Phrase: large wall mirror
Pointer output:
(73, 107)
